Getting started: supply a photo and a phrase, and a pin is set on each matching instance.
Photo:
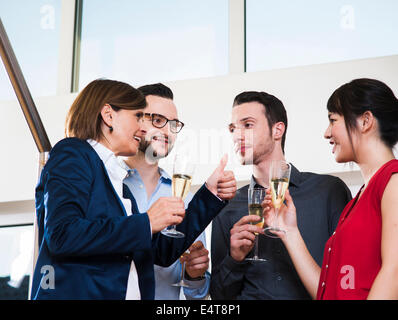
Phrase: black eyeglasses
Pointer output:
(159, 121)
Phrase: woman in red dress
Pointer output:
(361, 258)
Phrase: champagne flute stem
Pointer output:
(183, 271)
(256, 247)
(276, 218)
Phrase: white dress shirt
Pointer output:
(166, 276)
(116, 174)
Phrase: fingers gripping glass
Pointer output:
(255, 198)
(182, 282)
(159, 121)
(279, 176)
(181, 182)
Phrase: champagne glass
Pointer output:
(181, 182)
(279, 175)
(182, 282)
(255, 198)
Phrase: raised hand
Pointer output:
(222, 183)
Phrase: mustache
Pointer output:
(151, 154)
(148, 139)
(144, 145)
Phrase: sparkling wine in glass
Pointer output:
(255, 198)
(279, 176)
(181, 182)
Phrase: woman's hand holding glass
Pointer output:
(166, 211)
(287, 219)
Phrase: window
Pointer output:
(16, 248)
(33, 30)
(286, 33)
(142, 42)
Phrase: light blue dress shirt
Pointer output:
(164, 277)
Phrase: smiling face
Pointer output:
(158, 142)
(251, 133)
(126, 132)
(338, 137)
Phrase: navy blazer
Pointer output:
(87, 241)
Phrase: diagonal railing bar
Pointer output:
(22, 92)
(29, 110)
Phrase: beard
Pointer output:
(245, 159)
(255, 155)
(151, 154)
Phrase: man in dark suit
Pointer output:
(258, 128)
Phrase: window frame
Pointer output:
(236, 37)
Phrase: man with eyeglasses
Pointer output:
(148, 182)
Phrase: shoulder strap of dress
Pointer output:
(383, 176)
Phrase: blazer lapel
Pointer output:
(110, 185)
(128, 195)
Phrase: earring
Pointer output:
(110, 127)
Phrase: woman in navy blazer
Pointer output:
(91, 246)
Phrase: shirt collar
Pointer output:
(295, 178)
(103, 152)
(124, 165)
(163, 174)
(254, 184)
(109, 159)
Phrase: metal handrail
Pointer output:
(30, 112)
(22, 92)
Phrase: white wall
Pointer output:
(205, 106)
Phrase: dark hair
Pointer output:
(157, 89)
(353, 99)
(84, 117)
(273, 107)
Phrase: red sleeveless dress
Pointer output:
(352, 256)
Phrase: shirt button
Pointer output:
(279, 278)
(141, 186)
(327, 266)
(323, 284)
(330, 249)
(334, 233)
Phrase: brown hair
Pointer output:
(273, 107)
(84, 117)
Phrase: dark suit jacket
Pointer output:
(319, 201)
(87, 239)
